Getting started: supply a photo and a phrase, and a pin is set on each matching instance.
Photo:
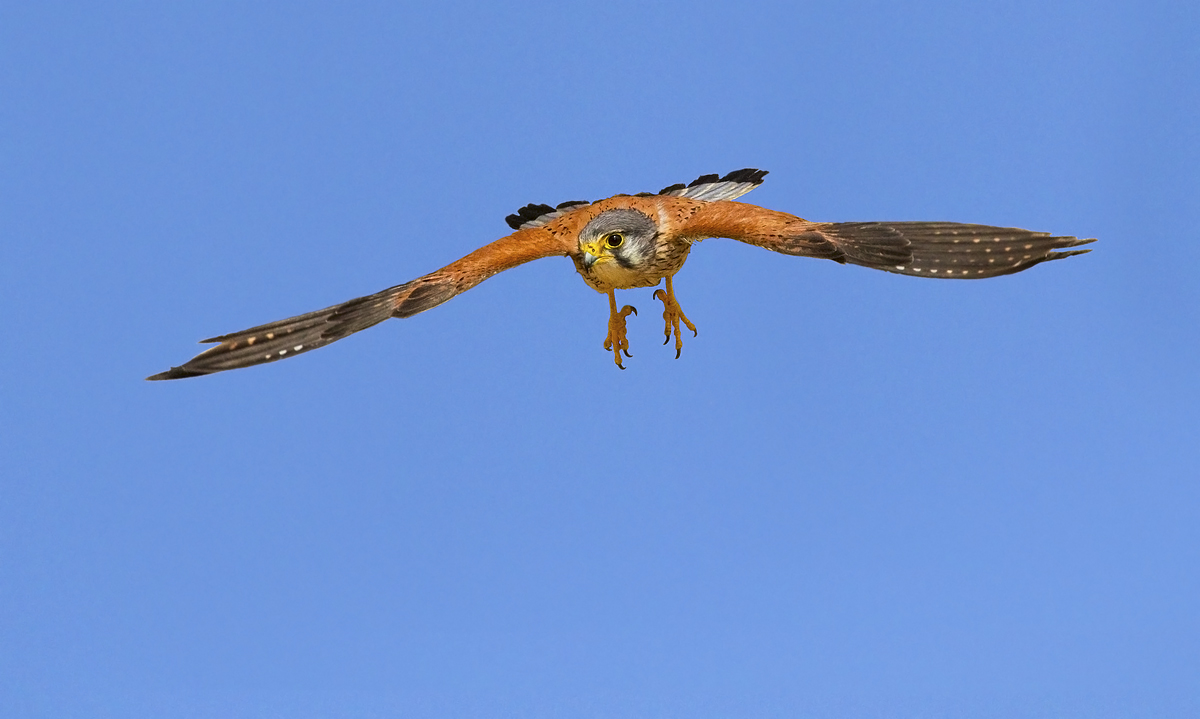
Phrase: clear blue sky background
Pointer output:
(856, 495)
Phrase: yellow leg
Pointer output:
(673, 315)
(616, 340)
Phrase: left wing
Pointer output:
(921, 249)
(304, 333)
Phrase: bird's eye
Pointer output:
(614, 240)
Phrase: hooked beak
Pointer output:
(591, 254)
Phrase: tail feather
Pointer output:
(945, 249)
(304, 333)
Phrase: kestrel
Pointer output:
(641, 240)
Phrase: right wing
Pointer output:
(307, 332)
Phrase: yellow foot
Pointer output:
(673, 316)
(616, 340)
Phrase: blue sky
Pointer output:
(855, 495)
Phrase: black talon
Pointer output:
(677, 353)
(627, 353)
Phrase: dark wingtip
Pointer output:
(1070, 242)
(175, 373)
(1061, 255)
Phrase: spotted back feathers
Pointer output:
(706, 187)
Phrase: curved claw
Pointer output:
(673, 316)
(661, 296)
(616, 342)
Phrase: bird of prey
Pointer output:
(641, 240)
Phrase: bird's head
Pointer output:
(624, 236)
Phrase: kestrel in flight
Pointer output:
(641, 240)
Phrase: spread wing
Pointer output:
(304, 333)
(921, 249)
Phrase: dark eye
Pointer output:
(614, 240)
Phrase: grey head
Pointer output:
(625, 236)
